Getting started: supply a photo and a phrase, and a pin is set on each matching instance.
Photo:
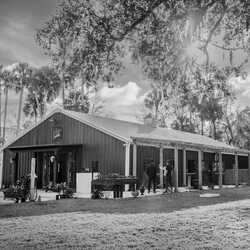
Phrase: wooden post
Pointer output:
(236, 170)
(249, 169)
(69, 160)
(54, 171)
(12, 169)
(220, 170)
(134, 159)
(32, 177)
(161, 166)
(200, 169)
(44, 170)
(184, 168)
(176, 169)
(127, 161)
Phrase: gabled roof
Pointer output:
(130, 131)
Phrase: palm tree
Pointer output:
(6, 79)
(21, 77)
(43, 89)
(30, 107)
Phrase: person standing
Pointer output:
(164, 169)
(151, 172)
(169, 176)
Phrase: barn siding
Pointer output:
(97, 146)
(6, 168)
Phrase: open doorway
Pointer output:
(56, 167)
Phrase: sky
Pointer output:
(19, 20)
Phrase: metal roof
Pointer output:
(141, 132)
(131, 131)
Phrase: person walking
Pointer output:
(151, 172)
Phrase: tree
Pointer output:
(21, 79)
(211, 95)
(43, 89)
(6, 83)
(89, 37)
(243, 128)
(76, 102)
(63, 38)
(237, 128)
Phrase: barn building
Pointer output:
(66, 143)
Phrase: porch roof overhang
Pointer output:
(44, 147)
(188, 146)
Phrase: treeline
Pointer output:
(36, 88)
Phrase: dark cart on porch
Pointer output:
(115, 183)
(20, 191)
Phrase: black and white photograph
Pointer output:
(125, 124)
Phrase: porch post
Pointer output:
(68, 168)
(184, 168)
(54, 170)
(134, 159)
(32, 177)
(236, 170)
(220, 170)
(12, 166)
(161, 166)
(200, 169)
(127, 161)
(44, 169)
(249, 169)
(176, 169)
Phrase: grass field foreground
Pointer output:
(220, 226)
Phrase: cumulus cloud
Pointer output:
(122, 102)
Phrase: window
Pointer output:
(57, 134)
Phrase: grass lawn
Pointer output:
(178, 221)
(153, 204)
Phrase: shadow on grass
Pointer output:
(154, 204)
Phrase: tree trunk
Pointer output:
(214, 129)
(232, 141)
(5, 112)
(20, 109)
(61, 75)
(202, 126)
(0, 111)
(63, 93)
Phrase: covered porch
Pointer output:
(53, 164)
(192, 163)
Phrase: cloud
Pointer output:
(122, 102)
(122, 96)
(241, 87)
(239, 83)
